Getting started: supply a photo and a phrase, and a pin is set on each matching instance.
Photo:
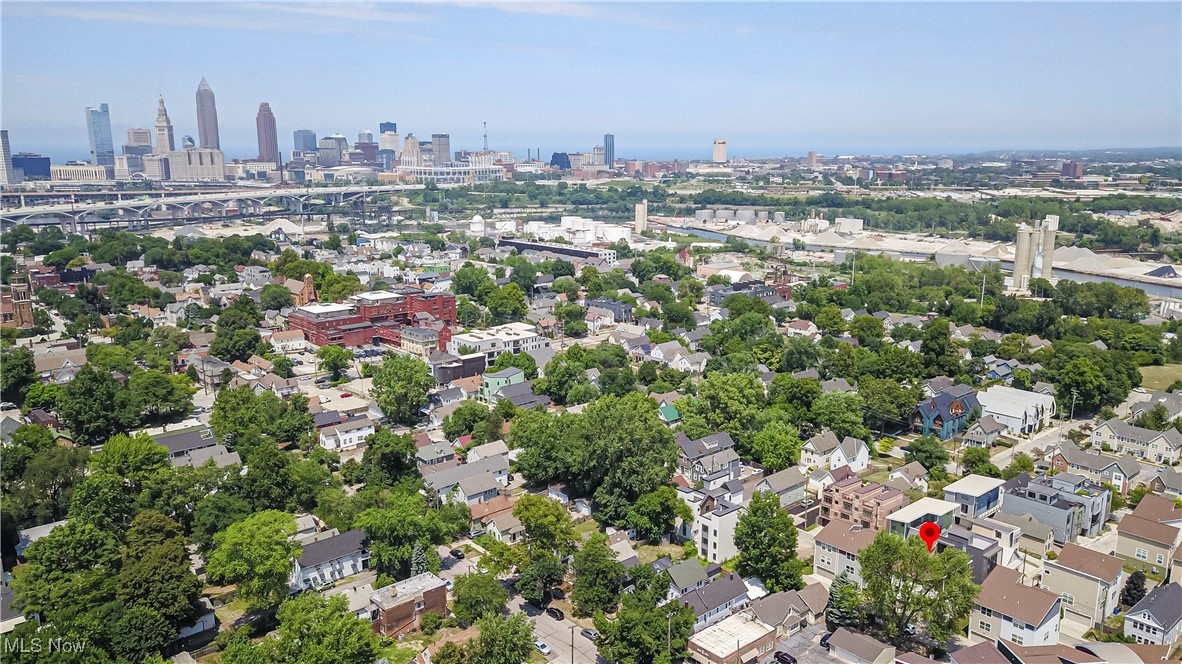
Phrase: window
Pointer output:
(419, 606)
(988, 613)
(984, 626)
(1069, 599)
(1161, 559)
(1016, 639)
(1142, 554)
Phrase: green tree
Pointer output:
(766, 539)
(140, 632)
(134, 458)
(537, 577)
(17, 372)
(840, 412)
(845, 605)
(776, 445)
(334, 359)
(477, 595)
(646, 628)
(907, 585)
(156, 393)
(214, 513)
(547, 523)
(504, 641)
(507, 302)
(155, 570)
(829, 319)
(274, 297)
(312, 628)
(1134, 590)
(928, 451)
(1082, 381)
(95, 407)
(389, 458)
(655, 513)
(256, 554)
(599, 577)
(976, 461)
(868, 330)
(400, 386)
(464, 419)
(523, 361)
(887, 402)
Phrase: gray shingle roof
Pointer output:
(332, 548)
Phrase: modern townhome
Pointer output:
(1170, 401)
(1006, 609)
(824, 450)
(1150, 535)
(1124, 472)
(944, 415)
(1157, 446)
(1157, 618)
(1020, 411)
(330, 559)
(1088, 581)
(977, 495)
(984, 552)
(716, 514)
(1037, 538)
(1071, 504)
(867, 505)
(836, 550)
(906, 521)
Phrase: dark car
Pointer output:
(784, 658)
(556, 614)
(825, 640)
(457, 554)
(557, 593)
(590, 634)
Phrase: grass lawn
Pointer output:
(586, 527)
(880, 477)
(402, 651)
(647, 553)
(1159, 378)
(228, 614)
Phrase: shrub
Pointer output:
(430, 623)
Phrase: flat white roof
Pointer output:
(378, 295)
(922, 507)
(331, 308)
(734, 633)
(974, 485)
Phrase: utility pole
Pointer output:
(981, 302)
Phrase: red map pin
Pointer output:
(929, 533)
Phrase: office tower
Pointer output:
(597, 155)
(609, 150)
(441, 148)
(7, 175)
(365, 136)
(719, 151)
(207, 117)
(304, 140)
(164, 143)
(1072, 169)
(1035, 251)
(127, 165)
(139, 141)
(328, 153)
(410, 152)
(98, 127)
(811, 160)
(640, 223)
(188, 142)
(268, 139)
(156, 167)
(391, 127)
(28, 165)
(389, 140)
(197, 164)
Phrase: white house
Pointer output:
(825, 451)
(330, 559)
(1157, 618)
(289, 341)
(1020, 411)
(1007, 609)
(346, 435)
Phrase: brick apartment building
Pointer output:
(377, 316)
(868, 505)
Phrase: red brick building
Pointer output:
(377, 316)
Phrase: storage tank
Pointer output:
(745, 216)
(761, 215)
(703, 215)
(724, 215)
(778, 218)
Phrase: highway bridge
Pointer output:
(134, 211)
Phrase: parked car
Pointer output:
(457, 554)
(556, 614)
(7, 405)
(346, 395)
(557, 593)
(542, 647)
(825, 640)
(590, 634)
(784, 658)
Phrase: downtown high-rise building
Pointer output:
(98, 129)
(328, 152)
(268, 138)
(719, 156)
(7, 173)
(441, 148)
(388, 128)
(609, 150)
(164, 142)
(365, 136)
(207, 118)
(304, 140)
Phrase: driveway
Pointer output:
(805, 646)
(559, 635)
(450, 567)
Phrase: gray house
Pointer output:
(1070, 504)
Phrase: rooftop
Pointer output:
(921, 508)
(974, 485)
(724, 637)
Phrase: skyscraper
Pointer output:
(719, 156)
(7, 174)
(365, 136)
(411, 156)
(385, 127)
(441, 148)
(268, 139)
(304, 139)
(98, 127)
(164, 143)
(207, 117)
(609, 150)
(328, 153)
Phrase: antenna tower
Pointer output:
(486, 137)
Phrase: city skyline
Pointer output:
(771, 79)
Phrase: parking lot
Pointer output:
(805, 646)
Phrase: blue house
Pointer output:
(945, 414)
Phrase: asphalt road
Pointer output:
(558, 634)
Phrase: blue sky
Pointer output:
(665, 78)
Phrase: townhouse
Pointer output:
(978, 496)
(1088, 581)
(1156, 446)
(867, 505)
(330, 559)
(824, 450)
(1150, 535)
(716, 600)
(836, 547)
(1021, 412)
(347, 435)
(1157, 618)
(1123, 473)
(1070, 504)
(1007, 609)
(945, 414)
